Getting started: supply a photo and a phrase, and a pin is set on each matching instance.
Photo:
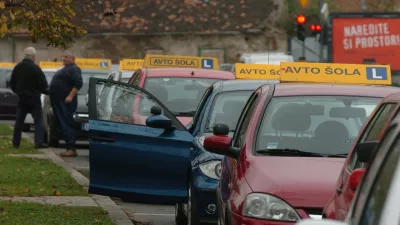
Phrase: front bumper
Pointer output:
(204, 191)
(240, 220)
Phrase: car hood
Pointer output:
(184, 120)
(82, 107)
(307, 182)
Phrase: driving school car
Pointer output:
(222, 102)
(178, 82)
(376, 201)
(90, 68)
(289, 145)
(360, 155)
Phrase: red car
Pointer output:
(179, 89)
(356, 163)
(289, 146)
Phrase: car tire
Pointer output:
(52, 137)
(191, 217)
(180, 217)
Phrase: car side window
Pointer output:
(201, 104)
(378, 193)
(132, 80)
(373, 130)
(372, 171)
(244, 121)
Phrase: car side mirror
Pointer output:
(220, 142)
(366, 150)
(320, 222)
(356, 178)
(156, 120)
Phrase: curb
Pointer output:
(115, 212)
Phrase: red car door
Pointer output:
(372, 132)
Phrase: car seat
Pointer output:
(159, 92)
(331, 137)
(231, 111)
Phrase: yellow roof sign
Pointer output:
(50, 65)
(336, 73)
(83, 63)
(96, 64)
(7, 65)
(166, 61)
(131, 64)
(257, 71)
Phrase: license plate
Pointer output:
(85, 126)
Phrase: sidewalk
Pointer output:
(38, 187)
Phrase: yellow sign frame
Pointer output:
(167, 61)
(83, 63)
(7, 65)
(131, 64)
(257, 71)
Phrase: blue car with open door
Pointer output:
(161, 161)
(221, 103)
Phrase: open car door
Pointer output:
(143, 163)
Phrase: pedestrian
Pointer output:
(29, 82)
(63, 96)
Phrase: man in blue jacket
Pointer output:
(29, 82)
(63, 96)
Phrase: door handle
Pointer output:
(103, 139)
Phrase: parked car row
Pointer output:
(273, 157)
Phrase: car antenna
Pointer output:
(192, 73)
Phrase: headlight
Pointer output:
(268, 207)
(211, 169)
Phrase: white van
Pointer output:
(274, 58)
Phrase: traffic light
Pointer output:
(301, 20)
(315, 29)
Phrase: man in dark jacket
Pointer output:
(29, 82)
(63, 96)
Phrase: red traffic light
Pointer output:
(301, 19)
(315, 27)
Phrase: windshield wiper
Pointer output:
(341, 155)
(189, 113)
(288, 152)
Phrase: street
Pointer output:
(140, 213)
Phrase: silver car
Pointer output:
(377, 200)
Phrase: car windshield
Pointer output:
(226, 109)
(85, 78)
(180, 95)
(319, 124)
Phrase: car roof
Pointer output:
(291, 89)
(187, 72)
(392, 98)
(239, 85)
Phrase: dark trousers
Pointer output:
(32, 105)
(64, 113)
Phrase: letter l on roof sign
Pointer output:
(207, 63)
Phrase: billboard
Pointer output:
(366, 41)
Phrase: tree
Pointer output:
(50, 20)
(292, 9)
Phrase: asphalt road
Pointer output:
(142, 213)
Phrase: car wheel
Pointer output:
(52, 138)
(186, 214)
(180, 217)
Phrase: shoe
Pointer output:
(41, 146)
(69, 153)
